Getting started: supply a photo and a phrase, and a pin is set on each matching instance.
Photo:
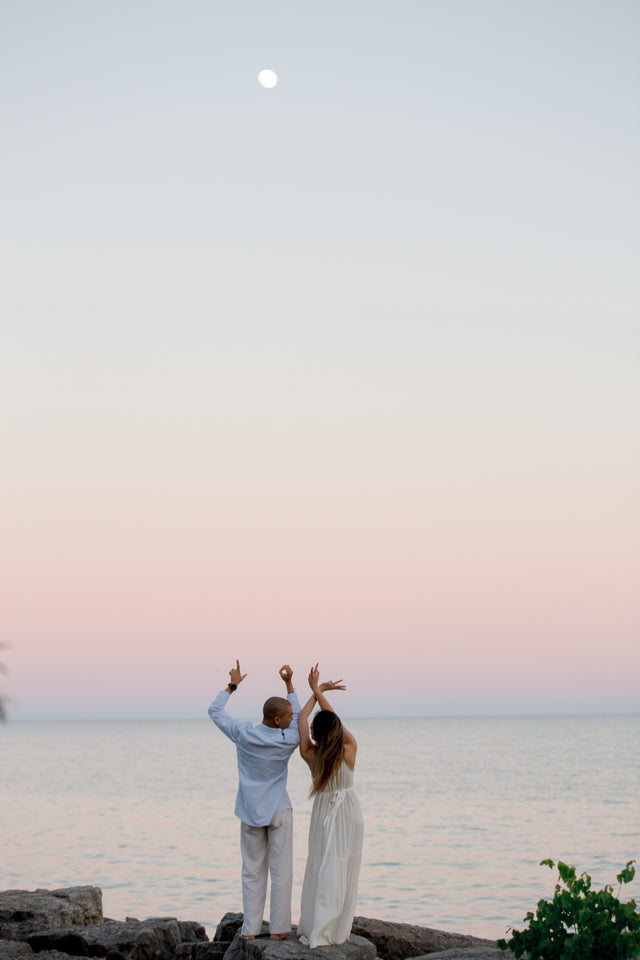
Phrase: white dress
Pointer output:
(330, 883)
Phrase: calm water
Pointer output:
(459, 812)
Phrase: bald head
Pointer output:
(277, 712)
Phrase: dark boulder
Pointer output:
(156, 939)
(15, 950)
(472, 953)
(213, 949)
(26, 911)
(19, 950)
(398, 941)
(263, 948)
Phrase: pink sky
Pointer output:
(436, 593)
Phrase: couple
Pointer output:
(264, 809)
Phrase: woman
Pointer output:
(335, 834)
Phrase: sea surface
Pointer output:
(458, 813)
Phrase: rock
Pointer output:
(156, 939)
(201, 951)
(26, 911)
(15, 950)
(18, 950)
(228, 927)
(470, 953)
(214, 949)
(262, 948)
(56, 955)
(192, 930)
(397, 941)
(64, 924)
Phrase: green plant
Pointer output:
(579, 923)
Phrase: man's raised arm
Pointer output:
(217, 712)
(287, 675)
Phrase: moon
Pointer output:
(267, 79)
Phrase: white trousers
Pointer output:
(267, 850)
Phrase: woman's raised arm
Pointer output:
(307, 748)
(319, 689)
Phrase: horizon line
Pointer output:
(404, 716)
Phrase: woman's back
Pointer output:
(341, 779)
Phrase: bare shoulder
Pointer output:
(349, 739)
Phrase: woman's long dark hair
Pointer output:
(326, 730)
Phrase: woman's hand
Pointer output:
(317, 687)
(314, 678)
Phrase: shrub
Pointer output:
(579, 923)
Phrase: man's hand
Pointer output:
(332, 685)
(287, 673)
(236, 677)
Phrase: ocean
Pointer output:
(458, 814)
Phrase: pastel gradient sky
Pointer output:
(344, 371)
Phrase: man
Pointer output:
(262, 803)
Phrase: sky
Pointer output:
(344, 371)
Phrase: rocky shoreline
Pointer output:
(69, 923)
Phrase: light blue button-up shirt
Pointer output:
(263, 755)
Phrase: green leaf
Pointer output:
(627, 875)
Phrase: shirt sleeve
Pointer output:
(221, 718)
(294, 735)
